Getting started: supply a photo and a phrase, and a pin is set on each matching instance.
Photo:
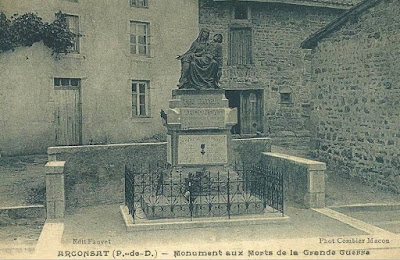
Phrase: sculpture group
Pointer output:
(202, 63)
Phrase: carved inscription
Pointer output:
(203, 101)
(202, 149)
(202, 118)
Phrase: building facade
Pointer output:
(355, 66)
(109, 89)
(264, 67)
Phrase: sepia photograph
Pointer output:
(199, 129)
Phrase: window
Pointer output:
(67, 82)
(140, 99)
(286, 96)
(240, 46)
(241, 11)
(139, 3)
(73, 26)
(139, 38)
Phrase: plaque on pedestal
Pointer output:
(199, 124)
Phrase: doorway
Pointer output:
(68, 111)
(249, 104)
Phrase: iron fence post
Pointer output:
(228, 206)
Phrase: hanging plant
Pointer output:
(29, 28)
(6, 39)
(57, 35)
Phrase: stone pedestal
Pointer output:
(199, 124)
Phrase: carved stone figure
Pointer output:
(202, 63)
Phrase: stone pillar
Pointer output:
(315, 197)
(55, 194)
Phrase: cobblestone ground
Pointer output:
(22, 180)
(101, 222)
(22, 183)
(342, 190)
(22, 175)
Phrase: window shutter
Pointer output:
(240, 46)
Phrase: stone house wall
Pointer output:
(104, 66)
(278, 61)
(356, 96)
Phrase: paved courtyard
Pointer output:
(105, 222)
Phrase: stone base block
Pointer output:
(315, 199)
(143, 224)
(159, 207)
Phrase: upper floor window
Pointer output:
(73, 25)
(140, 99)
(241, 11)
(139, 3)
(139, 38)
(240, 46)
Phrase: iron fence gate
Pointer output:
(159, 192)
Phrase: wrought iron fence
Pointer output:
(161, 192)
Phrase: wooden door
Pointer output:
(68, 115)
(251, 112)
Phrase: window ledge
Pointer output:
(144, 119)
(72, 55)
(142, 7)
(241, 66)
(286, 104)
(135, 57)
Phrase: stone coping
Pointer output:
(367, 207)
(311, 165)
(87, 148)
(197, 91)
(25, 211)
(54, 167)
(50, 240)
(22, 207)
(252, 139)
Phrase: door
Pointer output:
(249, 104)
(68, 112)
(251, 112)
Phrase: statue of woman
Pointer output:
(197, 48)
(205, 70)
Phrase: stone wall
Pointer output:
(249, 150)
(277, 31)
(356, 95)
(303, 179)
(94, 174)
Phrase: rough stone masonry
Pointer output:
(356, 95)
(277, 31)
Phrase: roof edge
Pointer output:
(312, 41)
(343, 6)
